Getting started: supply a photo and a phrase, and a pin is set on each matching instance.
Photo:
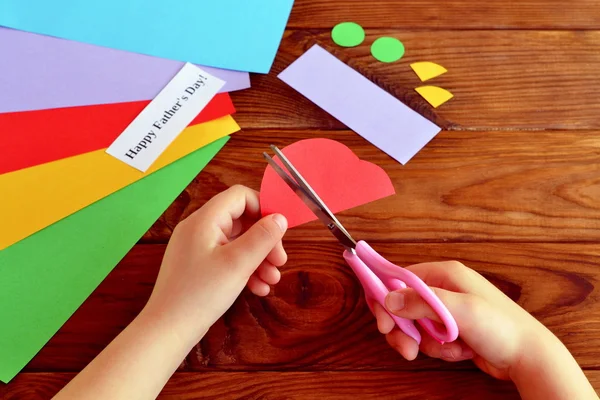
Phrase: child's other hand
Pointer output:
(211, 256)
(494, 331)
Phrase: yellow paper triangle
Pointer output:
(34, 198)
(426, 70)
(436, 96)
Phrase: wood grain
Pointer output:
(453, 14)
(510, 80)
(463, 187)
(316, 318)
(510, 188)
(449, 385)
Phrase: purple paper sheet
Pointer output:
(357, 102)
(40, 72)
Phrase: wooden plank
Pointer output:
(453, 14)
(316, 318)
(464, 186)
(431, 385)
(501, 79)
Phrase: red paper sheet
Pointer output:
(37, 137)
(339, 177)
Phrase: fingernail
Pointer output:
(467, 354)
(448, 354)
(454, 354)
(395, 301)
(281, 221)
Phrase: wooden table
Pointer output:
(511, 188)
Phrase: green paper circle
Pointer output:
(387, 49)
(348, 34)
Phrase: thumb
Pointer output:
(475, 316)
(487, 329)
(251, 248)
(407, 303)
(466, 308)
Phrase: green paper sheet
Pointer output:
(46, 277)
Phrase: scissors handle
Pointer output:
(378, 277)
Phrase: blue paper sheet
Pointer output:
(241, 35)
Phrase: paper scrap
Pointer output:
(36, 137)
(348, 34)
(339, 177)
(360, 104)
(427, 70)
(66, 186)
(80, 74)
(387, 49)
(436, 96)
(242, 35)
(47, 276)
(147, 137)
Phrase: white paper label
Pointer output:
(175, 107)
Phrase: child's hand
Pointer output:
(499, 336)
(211, 256)
(494, 331)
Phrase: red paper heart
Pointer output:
(339, 177)
(31, 138)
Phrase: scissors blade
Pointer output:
(307, 194)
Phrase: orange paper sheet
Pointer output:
(34, 198)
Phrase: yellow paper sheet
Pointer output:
(34, 198)
(436, 96)
(427, 70)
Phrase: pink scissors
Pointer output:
(377, 275)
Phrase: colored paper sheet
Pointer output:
(44, 72)
(37, 137)
(427, 70)
(242, 35)
(167, 115)
(47, 276)
(348, 34)
(339, 177)
(37, 197)
(357, 102)
(436, 96)
(387, 49)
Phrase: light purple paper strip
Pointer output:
(361, 105)
(40, 72)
